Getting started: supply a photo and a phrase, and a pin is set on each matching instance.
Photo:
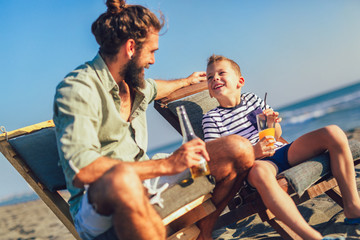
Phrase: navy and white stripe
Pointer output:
(222, 121)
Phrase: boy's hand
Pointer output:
(272, 116)
(188, 155)
(261, 149)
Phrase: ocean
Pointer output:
(340, 107)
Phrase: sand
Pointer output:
(31, 220)
(34, 220)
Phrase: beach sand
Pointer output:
(34, 220)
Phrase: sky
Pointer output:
(290, 49)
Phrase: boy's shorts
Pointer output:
(90, 224)
(280, 158)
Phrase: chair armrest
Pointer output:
(304, 175)
(178, 196)
(184, 92)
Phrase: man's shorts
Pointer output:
(280, 158)
(89, 223)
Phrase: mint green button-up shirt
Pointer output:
(89, 125)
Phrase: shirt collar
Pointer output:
(103, 73)
(108, 81)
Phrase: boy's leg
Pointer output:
(120, 193)
(230, 159)
(333, 139)
(262, 176)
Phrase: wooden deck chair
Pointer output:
(302, 182)
(33, 153)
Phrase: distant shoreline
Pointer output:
(318, 95)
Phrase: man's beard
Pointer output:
(134, 74)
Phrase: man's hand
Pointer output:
(261, 149)
(188, 155)
(165, 87)
(196, 77)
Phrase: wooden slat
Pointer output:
(178, 213)
(193, 216)
(321, 187)
(335, 195)
(188, 233)
(284, 184)
(266, 215)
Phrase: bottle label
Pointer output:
(202, 169)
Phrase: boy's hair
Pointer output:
(122, 22)
(218, 58)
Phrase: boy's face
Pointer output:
(223, 82)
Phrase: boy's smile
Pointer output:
(224, 83)
(218, 85)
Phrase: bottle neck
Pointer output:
(186, 128)
(189, 137)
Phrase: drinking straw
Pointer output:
(265, 107)
(265, 99)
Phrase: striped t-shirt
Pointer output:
(240, 120)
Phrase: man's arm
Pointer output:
(186, 156)
(165, 87)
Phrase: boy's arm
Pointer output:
(278, 131)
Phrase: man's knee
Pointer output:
(229, 155)
(119, 184)
(124, 178)
(241, 150)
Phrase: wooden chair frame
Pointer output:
(251, 202)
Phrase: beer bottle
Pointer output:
(188, 134)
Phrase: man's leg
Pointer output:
(230, 159)
(120, 193)
(262, 176)
(333, 139)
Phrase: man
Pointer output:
(99, 113)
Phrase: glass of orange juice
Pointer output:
(266, 126)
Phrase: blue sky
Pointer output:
(291, 49)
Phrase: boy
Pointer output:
(235, 116)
